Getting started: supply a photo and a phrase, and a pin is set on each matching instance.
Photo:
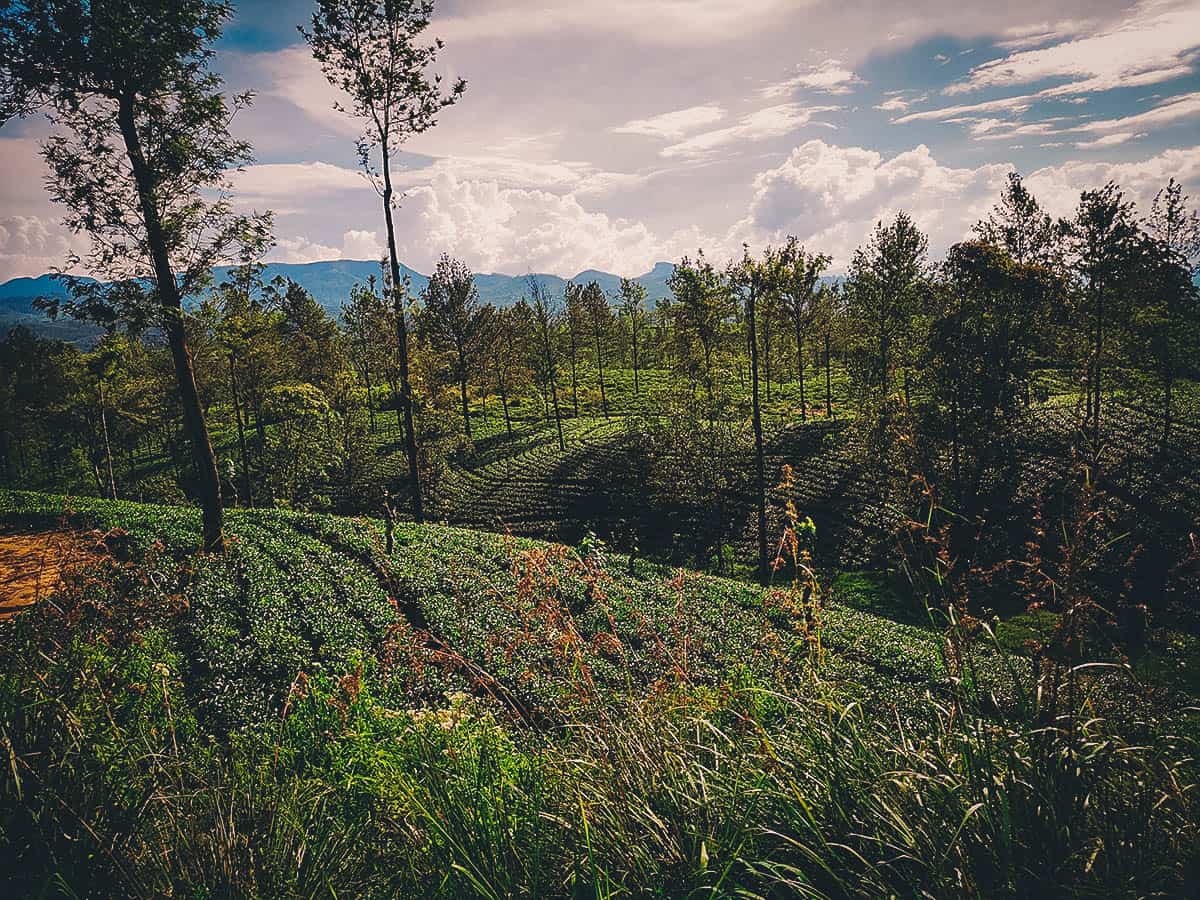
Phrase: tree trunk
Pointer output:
(466, 410)
(370, 405)
(503, 399)
(637, 390)
(203, 458)
(828, 381)
(410, 435)
(800, 371)
(759, 468)
(562, 444)
(600, 370)
(112, 481)
(574, 373)
(241, 432)
(767, 355)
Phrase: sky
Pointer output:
(612, 135)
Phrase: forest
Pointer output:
(793, 582)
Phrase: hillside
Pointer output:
(305, 591)
(329, 282)
(428, 721)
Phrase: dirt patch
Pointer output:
(32, 566)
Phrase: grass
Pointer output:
(475, 715)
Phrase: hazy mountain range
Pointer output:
(329, 282)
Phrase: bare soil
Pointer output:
(32, 566)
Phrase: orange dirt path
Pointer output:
(32, 565)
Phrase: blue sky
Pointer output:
(614, 135)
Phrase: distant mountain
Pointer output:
(329, 282)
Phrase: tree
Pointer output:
(509, 340)
(799, 277)
(633, 299)
(827, 315)
(247, 333)
(702, 305)
(1018, 225)
(751, 279)
(545, 357)
(884, 293)
(983, 343)
(1168, 314)
(576, 322)
(599, 319)
(371, 50)
(310, 341)
(140, 159)
(366, 322)
(453, 321)
(1104, 242)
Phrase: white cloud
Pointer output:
(493, 227)
(355, 245)
(1173, 109)
(1013, 105)
(361, 244)
(831, 196)
(894, 105)
(830, 77)
(30, 246)
(1058, 187)
(668, 22)
(673, 125)
(293, 75)
(1158, 41)
(772, 122)
(293, 184)
(1109, 140)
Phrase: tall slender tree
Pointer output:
(546, 322)
(751, 279)
(140, 158)
(633, 300)
(365, 320)
(599, 319)
(884, 292)
(576, 323)
(1104, 244)
(1168, 314)
(702, 306)
(372, 50)
(453, 320)
(799, 280)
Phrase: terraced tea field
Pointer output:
(454, 609)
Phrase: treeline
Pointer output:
(937, 359)
(950, 349)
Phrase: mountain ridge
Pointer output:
(323, 277)
(329, 281)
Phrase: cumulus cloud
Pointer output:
(356, 244)
(831, 196)
(671, 125)
(1058, 187)
(772, 122)
(493, 227)
(1159, 40)
(30, 246)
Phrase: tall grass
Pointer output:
(115, 784)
